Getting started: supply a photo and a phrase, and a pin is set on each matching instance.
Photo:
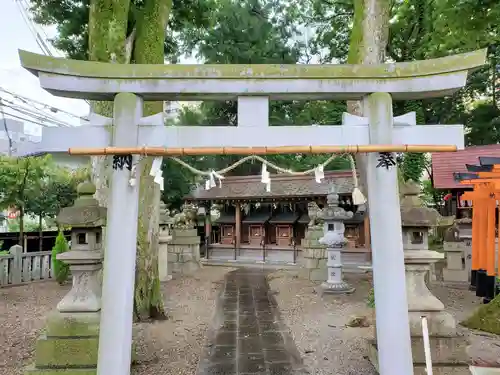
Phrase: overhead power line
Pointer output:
(34, 28)
(34, 103)
(37, 116)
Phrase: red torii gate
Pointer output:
(485, 194)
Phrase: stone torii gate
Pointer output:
(253, 86)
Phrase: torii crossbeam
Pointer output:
(253, 86)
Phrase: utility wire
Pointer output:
(6, 128)
(30, 101)
(30, 112)
(23, 111)
(32, 26)
(26, 119)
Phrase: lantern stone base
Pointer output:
(184, 252)
(455, 270)
(69, 345)
(314, 256)
(163, 269)
(337, 288)
(448, 355)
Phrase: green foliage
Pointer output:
(57, 190)
(71, 19)
(29, 225)
(412, 166)
(483, 123)
(432, 196)
(486, 318)
(61, 269)
(19, 177)
(370, 299)
(35, 187)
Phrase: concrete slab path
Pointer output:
(249, 337)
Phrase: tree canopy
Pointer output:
(279, 31)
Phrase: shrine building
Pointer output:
(444, 166)
(252, 219)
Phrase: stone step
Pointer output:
(448, 355)
(66, 351)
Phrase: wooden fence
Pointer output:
(18, 267)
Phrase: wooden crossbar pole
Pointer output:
(161, 151)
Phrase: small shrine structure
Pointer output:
(252, 218)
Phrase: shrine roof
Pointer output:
(257, 217)
(248, 188)
(444, 165)
(226, 218)
(284, 218)
(304, 219)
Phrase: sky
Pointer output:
(17, 35)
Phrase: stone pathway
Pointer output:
(250, 339)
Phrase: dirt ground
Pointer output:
(168, 347)
(328, 346)
(318, 325)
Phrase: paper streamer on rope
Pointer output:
(156, 171)
(132, 181)
(319, 173)
(266, 177)
(210, 183)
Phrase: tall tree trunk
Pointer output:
(21, 228)
(40, 233)
(108, 42)
(148, 49)
(108, 20)
(367, 45)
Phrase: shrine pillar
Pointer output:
(115, 338)
(208, 224)
(237, 226)
(391, 305)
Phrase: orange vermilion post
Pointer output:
(479, 227)
(484, 196)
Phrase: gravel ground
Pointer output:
(168, 347)
(318, 325)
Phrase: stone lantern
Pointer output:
(447, 345)
(163, 240)
(334, 240)
(86, 219)
(70, 340)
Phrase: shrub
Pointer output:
(61, 269)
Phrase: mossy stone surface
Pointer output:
(31, 370)
(41, 63)
(66, 352)
(72, 325)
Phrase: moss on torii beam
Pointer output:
(54, 65)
